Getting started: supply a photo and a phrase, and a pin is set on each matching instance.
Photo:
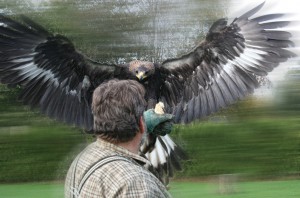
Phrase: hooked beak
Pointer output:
(141, 75)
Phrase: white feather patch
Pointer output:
(153, 158)
(31, 71)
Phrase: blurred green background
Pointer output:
(258, 138)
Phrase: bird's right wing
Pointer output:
(53, 76)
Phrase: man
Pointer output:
(111, 166)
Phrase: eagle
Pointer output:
(222, 69)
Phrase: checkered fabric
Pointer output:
(118, 178)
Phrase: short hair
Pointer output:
(117, 108)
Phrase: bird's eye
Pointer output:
(136, 71)
(146, 72)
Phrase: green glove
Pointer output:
(158, 124)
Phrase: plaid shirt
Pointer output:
(115, 179)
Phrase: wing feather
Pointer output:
(224, 66)
(53, 75)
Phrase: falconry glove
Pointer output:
(158, 124)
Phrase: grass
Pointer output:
(259, 189)
(32, 190)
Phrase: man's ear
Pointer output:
(142, 125)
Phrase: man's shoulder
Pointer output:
(125, 166)
(120, 165)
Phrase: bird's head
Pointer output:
(141, 69)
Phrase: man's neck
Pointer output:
(132, 145)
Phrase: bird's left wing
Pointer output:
(52, 74)
(223, 67)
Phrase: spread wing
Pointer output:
(52, 74)
(223, 68)
(60, 81)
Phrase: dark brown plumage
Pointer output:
(219, 71)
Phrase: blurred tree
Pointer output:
(288, 93)
(122, 30)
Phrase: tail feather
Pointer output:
(165, 157)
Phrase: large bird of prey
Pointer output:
(220, 70)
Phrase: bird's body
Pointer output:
(148, 75)
(220, 70)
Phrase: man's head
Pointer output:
(118, 106)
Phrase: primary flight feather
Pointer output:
(220, 70)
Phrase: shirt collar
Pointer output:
(121, 150)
